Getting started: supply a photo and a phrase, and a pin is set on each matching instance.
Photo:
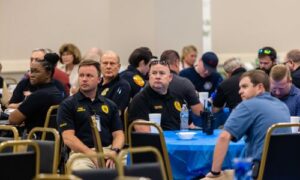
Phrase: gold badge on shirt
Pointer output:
(80, 109)
(104, 92)
(105, 109)
(158, 107)
(177, 105)
(138, 80)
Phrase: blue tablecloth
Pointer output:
(191, 158)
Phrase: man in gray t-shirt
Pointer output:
(181, 86)
(251, 118)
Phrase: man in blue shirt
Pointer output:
(252, 117)
(204, 75)
(283, 89)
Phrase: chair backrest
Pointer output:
(50, 120)
(153, 170)
(56, 177)
(95, 174)
(19, 165)
(15, 136)
(125, 123)
(280, 158)
(49, 149)
(157, 140)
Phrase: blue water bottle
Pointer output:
(242, 168)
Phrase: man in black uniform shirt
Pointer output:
(111, 86)
(74, 115)
(34, 108)
(292, 60)
(228, 91)
(156, 98)
(136, 73)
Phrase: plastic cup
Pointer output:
(156, 118)
(295, 119)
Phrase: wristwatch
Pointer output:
(117, 150)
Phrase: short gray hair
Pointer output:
(231, 64)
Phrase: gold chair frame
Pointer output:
(16, 143)
(162, 140)
(133, 150)
(47, 120)
(266, 145)
(55, 133)
(13, 130)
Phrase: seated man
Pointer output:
(228, 91)
(204, 75)
(251, 118)
(156, 98)
(111, 85)
(283, 89)
(136, 72)
(25, 88)
(75, 112)
(34, 108)
(267, 57)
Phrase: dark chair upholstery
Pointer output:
(49, 149)
(138, 139)
(95, 174)
(281, 157)
(148, 170)
(153, 170)
(14, 135)
(19, 165)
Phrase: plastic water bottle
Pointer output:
(184, 117)
(242, 168)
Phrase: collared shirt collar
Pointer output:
(116, 79)
(80, 96)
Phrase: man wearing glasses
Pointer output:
(283, 89)
(157, 98)
(292, 60)
(111, 85)
(267, 58)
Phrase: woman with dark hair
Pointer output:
(34, 108)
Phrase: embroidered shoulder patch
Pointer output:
(105, 109)
(138, 80)
(177, 105)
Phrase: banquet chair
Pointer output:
(56, 177)
(50, 120)
(23, 165)
(152, 170)
(125, 123)
(280, 157)
(15, 134)
(49, 149)
(94, 174)
(157, 140)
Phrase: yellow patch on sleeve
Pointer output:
(177, 105)
(105, 109)
(138, 80)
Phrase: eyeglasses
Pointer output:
(157, 61)
(264, 51)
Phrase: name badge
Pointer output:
(97, 117)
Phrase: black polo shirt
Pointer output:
(149, 101)
(75, 113)
(136, 79)
(36, 105)
(117, 90)
(228, 91)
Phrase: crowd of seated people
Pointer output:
(93, 86)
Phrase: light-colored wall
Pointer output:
(238, 27)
